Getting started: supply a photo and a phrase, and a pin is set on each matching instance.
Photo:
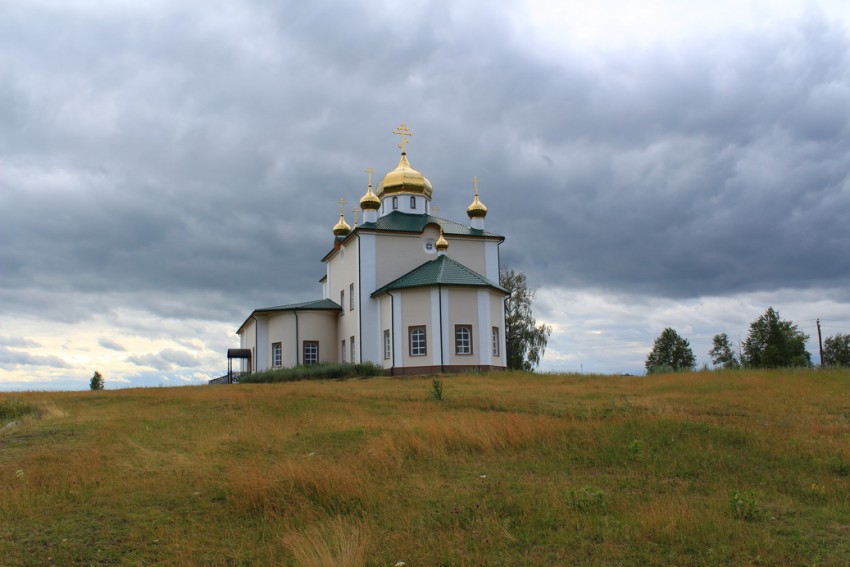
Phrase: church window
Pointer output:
(342, 352)
(353, 351)
(429, 246)
(495, 341)
(418, 346)
(351, 297)
(388, 345)
(413, 202)
(463, 339)
(342, 300)
(311, 352)
(395, 203)
(277, 354)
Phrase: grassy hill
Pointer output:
(509, 469)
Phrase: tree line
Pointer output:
(770, 343)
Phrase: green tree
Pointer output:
(670, 352)
(96, 381)
(722, 353)
(525, 340)
(836, 350)
(774, 343)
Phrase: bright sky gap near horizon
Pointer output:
(167, 167)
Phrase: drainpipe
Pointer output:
(359, 296)
(392, 331)
(256, 343)
(440, 294)
(297, 347)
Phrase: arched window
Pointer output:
(395, 203)
(413, 203)
(463, 339)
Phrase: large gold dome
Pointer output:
(404, 179)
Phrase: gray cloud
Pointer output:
(168, 359)
(11, 359)
(186, 162)
(108, 343)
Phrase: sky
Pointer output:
(167, 167)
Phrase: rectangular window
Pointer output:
(417, 341)
(277, 355)
(342, 352)
(353, 351)
(342, 300)
(311, 352)
(388, 345)
(395, 203)
(413, 203)
(495, 341)
(463, 339)
(351, 297)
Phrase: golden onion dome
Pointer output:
(370, 201)
(442, 244)
(404, 179)
(476, 209)
(341, 228)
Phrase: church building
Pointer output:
(406, 290)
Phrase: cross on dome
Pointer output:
(404, 132)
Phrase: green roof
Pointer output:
(440, 271)
(318, 305)
(406, 222)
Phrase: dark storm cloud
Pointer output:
(187, 163)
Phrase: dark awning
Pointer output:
(238, 353)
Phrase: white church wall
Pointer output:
(463, 310)
(372, 341)
(282, 330)
(319, 326)
(417, 312)
(342, 272)
(485, 352)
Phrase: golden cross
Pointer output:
(341, 205)
(436, 209)
(475, 182)
(356, 212)
(404, 132)
(369, 170)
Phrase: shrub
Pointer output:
(314, 372)
(12, 409)
(744, 506)
(437, 390)
(588, 499)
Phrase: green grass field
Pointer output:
(725, 468)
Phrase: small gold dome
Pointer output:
(341, 228)
(404, 179)
(370, 201)
(476, 209)
(442, 244)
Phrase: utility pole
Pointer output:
(820, 343)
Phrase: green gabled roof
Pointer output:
(406, 222)
(440, 271)
(318, 305)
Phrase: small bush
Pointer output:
(437, 390)
(314, 372)
(588, 499)
(12, 409)
(839, 467)
(744, 506)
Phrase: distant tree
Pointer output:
(722, 353)
(670, 352)
(836, 350)
(525, 340)
(96, 381)
(774, 343)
